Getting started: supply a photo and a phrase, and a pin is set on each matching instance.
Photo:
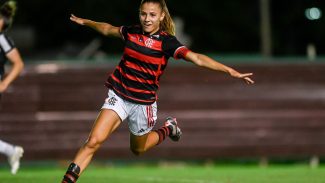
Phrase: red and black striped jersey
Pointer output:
(145, 57)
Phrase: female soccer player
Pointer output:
(9, 52)
(135, 81)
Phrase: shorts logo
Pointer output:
(111, 101)
(141, 131)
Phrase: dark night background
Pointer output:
(220, 27)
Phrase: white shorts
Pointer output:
(141, 118)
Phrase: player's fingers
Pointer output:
(246, 75)
(249, 80)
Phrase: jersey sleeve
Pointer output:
(173, 48)
(124, 30)
(6, 43)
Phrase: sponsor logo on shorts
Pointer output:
(140, 131)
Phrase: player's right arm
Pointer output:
(102, 27)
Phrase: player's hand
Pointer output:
(244, 76)
(3, 87)
(77, 20)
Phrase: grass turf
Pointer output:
(186, 174)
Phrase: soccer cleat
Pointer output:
(175, 131)
(14, 159)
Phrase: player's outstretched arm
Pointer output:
(102, 27)
(207, 62)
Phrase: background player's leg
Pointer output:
(14, 153)
(6, 148)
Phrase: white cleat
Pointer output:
(14, 160)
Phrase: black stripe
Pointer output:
(135, 84)
(153, 67)
(137, 73)
(144, 50)
(141, 96)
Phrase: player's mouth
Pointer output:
(147, 25)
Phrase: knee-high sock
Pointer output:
(163, 132)
(72, 174)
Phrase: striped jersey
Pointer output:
(6, 45)
(145, 57)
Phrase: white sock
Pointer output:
(6, 148)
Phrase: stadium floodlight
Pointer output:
(313, 13)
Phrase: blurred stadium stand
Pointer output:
(50, 112)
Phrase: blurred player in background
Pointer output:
(9, 52)
(133, 85)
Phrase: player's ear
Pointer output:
(162, 16)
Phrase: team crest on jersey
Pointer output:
(149, 42)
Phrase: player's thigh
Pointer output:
(106, 122)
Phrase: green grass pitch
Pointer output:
(186, 174)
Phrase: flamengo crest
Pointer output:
(149, 42)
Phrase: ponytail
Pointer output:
(167, 24)
(7, 12)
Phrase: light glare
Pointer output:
(313, 13)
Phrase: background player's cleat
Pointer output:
(14, 159)
(175, 131)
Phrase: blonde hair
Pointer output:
(7, 12)
(167, 24)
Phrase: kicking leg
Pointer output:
(140, 144)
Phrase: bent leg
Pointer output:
(140, 144)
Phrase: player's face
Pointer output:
(150, 17)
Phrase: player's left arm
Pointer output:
(207, 62)
(17, 67)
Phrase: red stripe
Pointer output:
(181, 52)
(132, 89)
(139, 68)
(151, 119)
(165, 131)
(148, 121)
(133, 78)
(71, 177)
(145, 58)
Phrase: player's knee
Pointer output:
(93, 143)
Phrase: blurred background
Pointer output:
(50, 109)
(42, 28)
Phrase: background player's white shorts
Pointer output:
(141, 118)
